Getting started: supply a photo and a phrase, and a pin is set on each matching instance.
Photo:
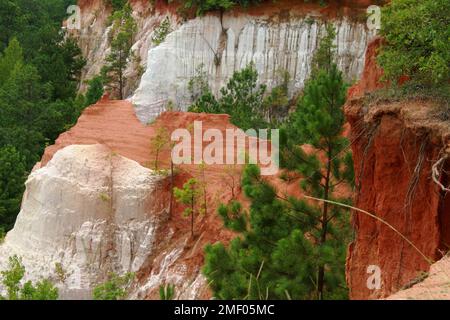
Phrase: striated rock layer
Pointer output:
(93, 207)
(394, 147)
(276, 37)
(91, 211)
(221, 46)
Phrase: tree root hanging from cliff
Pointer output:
(409, 198)
(371, 135)
(436, 171)
(416, 174)
(427, 259)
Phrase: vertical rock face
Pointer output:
(222, 46)
(91, 211)
(276, 37)
(94, 36)
(394, 147)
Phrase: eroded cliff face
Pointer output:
(93, 206)
(94, 36)
(395, 145)
(276, 37)
(221, 46)
(91, 211)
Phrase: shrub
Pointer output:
(417, 41)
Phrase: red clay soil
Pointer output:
(114, 124)
(395, 145)
(372, 73)
(333, 9)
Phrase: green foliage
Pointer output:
(160, 142)
(417, 44)
(60, 272)
(11, 278)
(203, 6)
(12, 178)
(95, 90)
(2, 235)
(188, 196)
(232, 216)
(40, 67)
(42, 290)
(276, 104)
(242, 98)
(12, 56)
(36, 25)
(323, 57)
(288, 247)
(161, 32)
(167, 292)
(123, 30)
(115, 288)
(117, 4)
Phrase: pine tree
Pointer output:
(12, 179)
(95, 90)
(318, 121)
(159, 142)
(123, 31)
(242, 98)
(289, 247)
(189, 196)
(12, 56)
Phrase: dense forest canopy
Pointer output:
(39, 73)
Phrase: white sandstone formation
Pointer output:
(93, 212)
(222, 48)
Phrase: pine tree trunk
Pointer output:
(120, 85)
(156, 159)
(121, 76)
(171, 188)
(323, 236)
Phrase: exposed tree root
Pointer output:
(436, 171)
(416, 174)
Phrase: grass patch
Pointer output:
(439, 95)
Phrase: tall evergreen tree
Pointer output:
(12, 178)
(12, 56)
(39, 72)
(289, 247)
(95, 90)
(242, 98)
(189, 196)
(117, 61)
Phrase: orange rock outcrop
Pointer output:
(394, 146)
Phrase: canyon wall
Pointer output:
(276, 37)
(395, 144)
(220, 47)
(92, 206)
(90, 211)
